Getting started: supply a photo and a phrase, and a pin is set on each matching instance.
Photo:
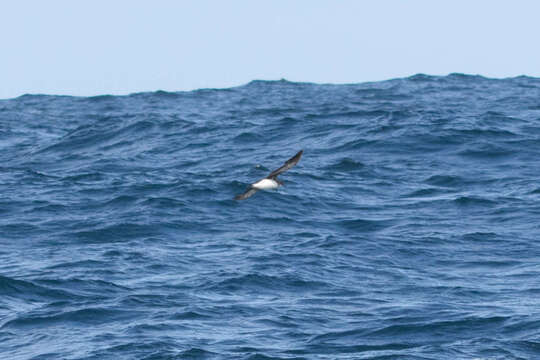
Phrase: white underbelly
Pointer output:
(265, 184)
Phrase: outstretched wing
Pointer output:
(247, 194)
(288, 164)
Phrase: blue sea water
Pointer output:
(410, 229)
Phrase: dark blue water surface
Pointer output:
(410, 229)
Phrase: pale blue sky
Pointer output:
(120, 47)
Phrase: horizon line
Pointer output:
(283, 80)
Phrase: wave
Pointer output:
(30, 291)
(82, 317)
(255, 282)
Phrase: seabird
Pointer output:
(271, 181)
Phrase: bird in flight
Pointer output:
(271, 181)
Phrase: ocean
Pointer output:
(410, 228)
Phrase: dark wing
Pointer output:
(288, 164)
(247, 194)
